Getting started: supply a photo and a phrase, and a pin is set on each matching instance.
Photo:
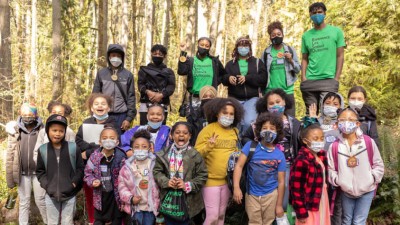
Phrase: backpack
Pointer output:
(231, 167)
(335, 152)
(71, 150)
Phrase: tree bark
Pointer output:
(102, 33)
(6, 97)
(167, 27)
(191, 27)
(221, 27)
(124, 26)
(33, 73)
(149, 28)
(56, 37)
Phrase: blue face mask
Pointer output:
(243, 51)
(277, 109)
(268, 136)
(101, 118)
(318, 19)
(154, 125)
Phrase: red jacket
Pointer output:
(306, 182)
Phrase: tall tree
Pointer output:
(6, 99)
(221, 28)
(149, 28)
(123, 40)
(102, 33)
(255, 14)
(191, 26)
(33, 66)
(57, 60)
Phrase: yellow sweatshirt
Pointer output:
(216, 156)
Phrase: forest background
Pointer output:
(51, 50)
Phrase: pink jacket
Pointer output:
(127, 187)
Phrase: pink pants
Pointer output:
(216, 200)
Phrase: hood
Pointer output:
(21, 125)
(322, 104)
(115, 48)
(367, 113)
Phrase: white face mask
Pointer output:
(109, 143)
(115, 61)
(356, 104)
(330, 111)
(225, 121)
(317, 146)
(141, 154)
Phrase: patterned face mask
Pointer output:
(347, 127)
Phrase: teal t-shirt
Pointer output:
(243, 66)
(277, 72)
(321, 46)
(202, 73)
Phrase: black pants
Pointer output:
(313, 91)
(291, 111)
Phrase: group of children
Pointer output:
(328, 165)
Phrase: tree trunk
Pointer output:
(102, 33)
(221, 27)
(201, 19)
(256, 23)
(214, 22)
(149, 28)
(167, 27)
(56, 37)
(191, 27)
(124, 26)
(33, 74)
(6, 97)
(134, 36)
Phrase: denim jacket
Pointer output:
(291, 70)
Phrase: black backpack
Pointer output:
(231, 166)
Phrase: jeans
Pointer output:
(215, 201)
(286, 195)
(144, 218)
(355, 210)
(250, 114)
(66, 209)
(24, 193)
(119, 119)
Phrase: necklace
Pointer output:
(266, 148)
(143, 183)
(108, 160)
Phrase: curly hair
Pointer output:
(216, 105)
(275, 25)
(274, 120)
(244, 41)
(93, 96)
(140, 133)
(262, 103)
(158, 47)
(189, 127)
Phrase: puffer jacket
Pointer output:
(127, 188)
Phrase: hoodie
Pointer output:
(104, 84)
(368, 122)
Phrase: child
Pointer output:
(59, 171)
(308, 183)
(101, 174)
(20, 168)
(58, 108)
(99, 106)
(137, 189)
(181, 167)
(357, 100)
(215, 143)
(356, 167)
(266, 173)
(159, 133)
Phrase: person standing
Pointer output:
(322, 50)
(117, 82)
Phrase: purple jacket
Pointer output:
(93, 172)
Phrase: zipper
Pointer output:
(58, 176)
(29, 139)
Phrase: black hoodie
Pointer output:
(368, 122)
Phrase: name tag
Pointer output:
(103, 168)
(280, 61)
(330, 139)
(145, 172)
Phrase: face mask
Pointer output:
(141, 154)
(109, 143)
(184, 146)
(277, 109)
(115, 61)
(202, 51)
(316, 146)
(318, 19)
(330, 111)
(268, 136)
(347, 127)
(356, 104)
(243, 51)
(101, 118)
(277, 40)
(225, 121)
(154, 125)
(157, 60)
(28, 120)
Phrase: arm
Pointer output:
(39, 142)
(41, 172)
(221, 72)
(295, 62)
(170, 88)
(131, 101)
(258, 79)
(339, 62)
(237, 173)
(184, 67)
(126, 139)
(11, 145)
(228, 73)
(97, 84)
(89, 173)
(78, 177)
(373, 133)
(378, 167)
(281, 192)
(296, 188)
(159, 174)
(304, 64)
(333, 174)
(124, 191)
(202, 143)
(200, 175)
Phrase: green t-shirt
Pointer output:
(277, 72)
(202, 73)
(321, 46)
(243, 67)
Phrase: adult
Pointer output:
(245, 78)
(20, 162)
(281, 62)
(117, 82)
(322, 50)
(201, 70)
(156, 83)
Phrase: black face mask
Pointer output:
(203, 51)
(157, 60)
(28, 120)
(277, 40)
